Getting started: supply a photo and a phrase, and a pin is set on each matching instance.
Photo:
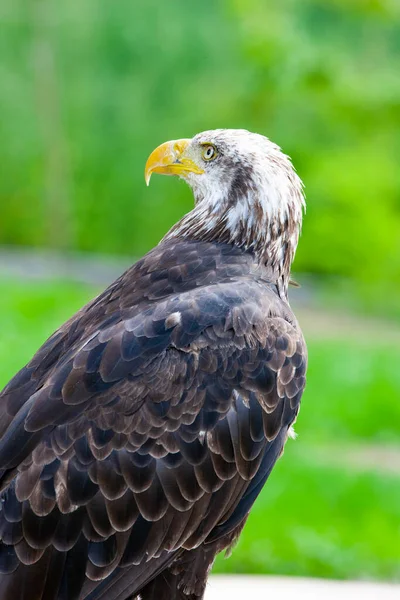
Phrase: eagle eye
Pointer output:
(209, 152)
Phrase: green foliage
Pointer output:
(323, 513)
(89, 88)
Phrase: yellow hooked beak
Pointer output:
(170, 159)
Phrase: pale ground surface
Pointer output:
(222, 587)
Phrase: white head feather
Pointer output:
(249, 195)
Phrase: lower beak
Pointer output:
(169, 159)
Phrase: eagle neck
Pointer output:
(271, 238)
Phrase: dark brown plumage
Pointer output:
(138, 437)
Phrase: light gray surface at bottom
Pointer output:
(235, 587)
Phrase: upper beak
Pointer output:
(169, 159)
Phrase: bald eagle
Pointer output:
(135, 442)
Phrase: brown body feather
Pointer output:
(142, 431)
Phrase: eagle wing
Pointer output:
(142, 433)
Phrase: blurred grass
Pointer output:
(353, 391)
(315, 520)
(320, 514)
(29, 313)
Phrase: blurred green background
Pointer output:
(88, 89)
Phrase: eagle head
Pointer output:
(246, 192)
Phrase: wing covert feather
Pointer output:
(152, 431)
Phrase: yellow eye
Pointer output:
(209, 152)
